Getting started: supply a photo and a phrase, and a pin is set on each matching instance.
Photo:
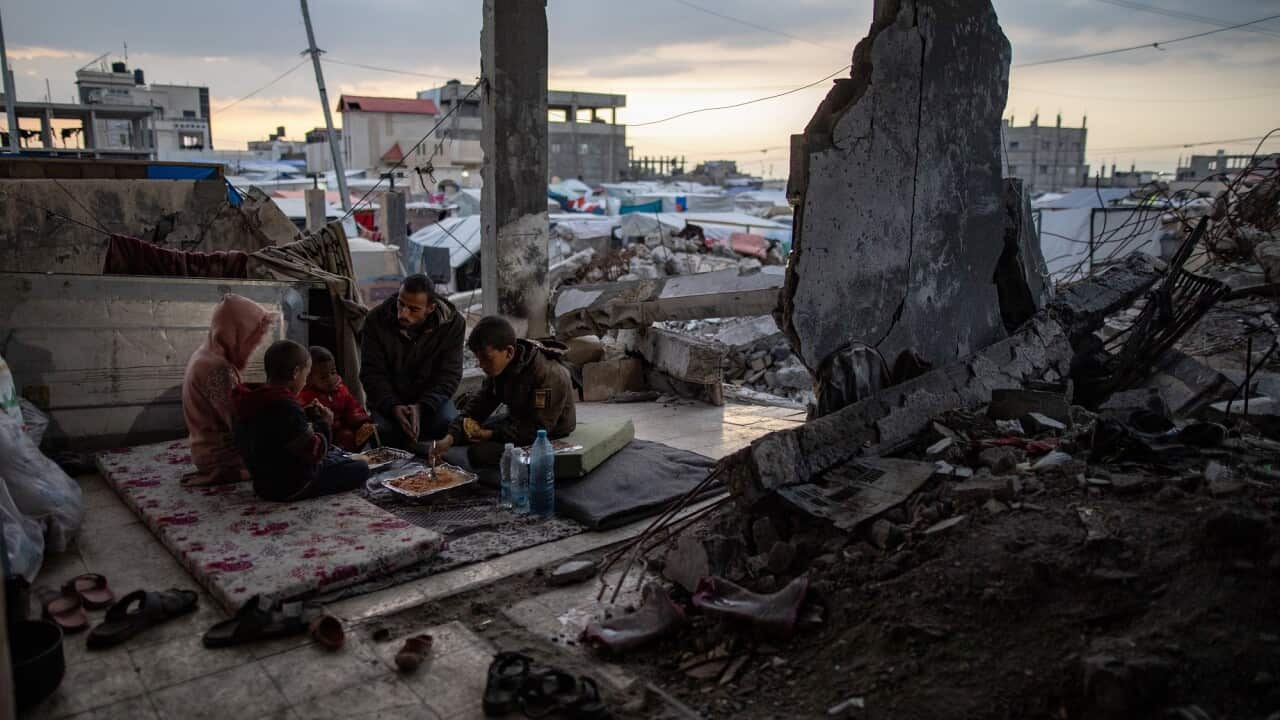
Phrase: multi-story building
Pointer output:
(584, 138)
(1200, 167)
(319, 158)
(379, 133)
(1046, 159)
(180, 124)
(277, 147)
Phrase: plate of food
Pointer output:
(382, 458)
(422, 482)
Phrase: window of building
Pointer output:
(557, 115)
(584, 115)
(584, 149)
(1044, 168)
(191, 141)
(188, 113)
(1013, 145)
(555, 147)
(606, 115)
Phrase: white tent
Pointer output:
(461, 235)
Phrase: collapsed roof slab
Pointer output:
(897, 185)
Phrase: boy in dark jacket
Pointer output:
(287, 456)
(525, 376)
(352, 427)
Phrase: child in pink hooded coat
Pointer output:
(237, 328)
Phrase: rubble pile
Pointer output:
(758, 359)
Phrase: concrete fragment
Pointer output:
(1001, 460)
(897, 184)
(592, 309)
(684, 357)
(939, 447)
(983, 487)
(1021, 271)
(574, 571)
(944, 525)
(1052, 459)
(602, 381)
(885, 535)
(795, 377)
(687, 562)
(1016, 403)
(1036, 423)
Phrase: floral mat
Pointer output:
(238, 545)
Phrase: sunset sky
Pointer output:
(668, 57)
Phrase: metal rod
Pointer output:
(338, 170)
(1248, 373)
(10, 108)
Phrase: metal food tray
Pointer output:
(397, 455)
(414, 468)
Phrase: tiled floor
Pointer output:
(165, 672)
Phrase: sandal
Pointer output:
(589, 705)
(138, 611)
(548, 691)
(92, 589)
(327, 631)
(415, 650)
(507, 675)
(256, 620)
(63, 609)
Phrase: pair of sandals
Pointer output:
(133, 613)
(260, 619)
(514, 683)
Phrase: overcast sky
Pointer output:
(668, 57)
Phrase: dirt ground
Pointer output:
(1165, 601)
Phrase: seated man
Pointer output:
(525, 376)
(289, 458)
(411, 363)
(352, 427)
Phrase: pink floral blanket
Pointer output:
(238, 545)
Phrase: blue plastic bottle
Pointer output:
(542, 477)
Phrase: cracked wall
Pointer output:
(897, 186)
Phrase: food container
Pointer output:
(382, 458)
(459, 477)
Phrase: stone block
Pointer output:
(684, 357)
(603, 380)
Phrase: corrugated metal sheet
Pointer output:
(105, 355)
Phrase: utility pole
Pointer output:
(328, 117)
(10, 110)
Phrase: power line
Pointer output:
(1127, 100)
(741, 104)
(277, 79)
(1156, 45)
(754, 26)
(385, 69)
(1181, 15)
(1175, 146)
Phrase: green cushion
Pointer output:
(599, 441)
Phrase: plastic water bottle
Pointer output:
(542, 477)
(519, 482)
(508, 470)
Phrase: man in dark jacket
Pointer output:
(411, 363)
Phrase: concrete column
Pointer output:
(513, 209)
(46, 129)
(392, 218)
(91, 131)
(316, 205)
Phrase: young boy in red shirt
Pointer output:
(352, 426)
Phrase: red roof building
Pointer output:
(366, 103)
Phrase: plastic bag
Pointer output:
(23, 537)
(35, 421)
(39, 489)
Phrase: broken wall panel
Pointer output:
(900, 218)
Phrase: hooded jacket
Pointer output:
(538, 392)
(281, 448)
(235, 331)
(422, 366)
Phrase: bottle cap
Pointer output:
(542, 433)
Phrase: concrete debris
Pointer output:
(1017, 403)
(603, 381)
(1038, 423)
(574, 571)
(897, 235)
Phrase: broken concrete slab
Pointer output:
(1084, 306)
(897, 186)
(684, 357)
(749, 332)
(593, 309)
(857, 491)
(574, 571)
(1021, 271)
(890, 418)
(607, 379)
